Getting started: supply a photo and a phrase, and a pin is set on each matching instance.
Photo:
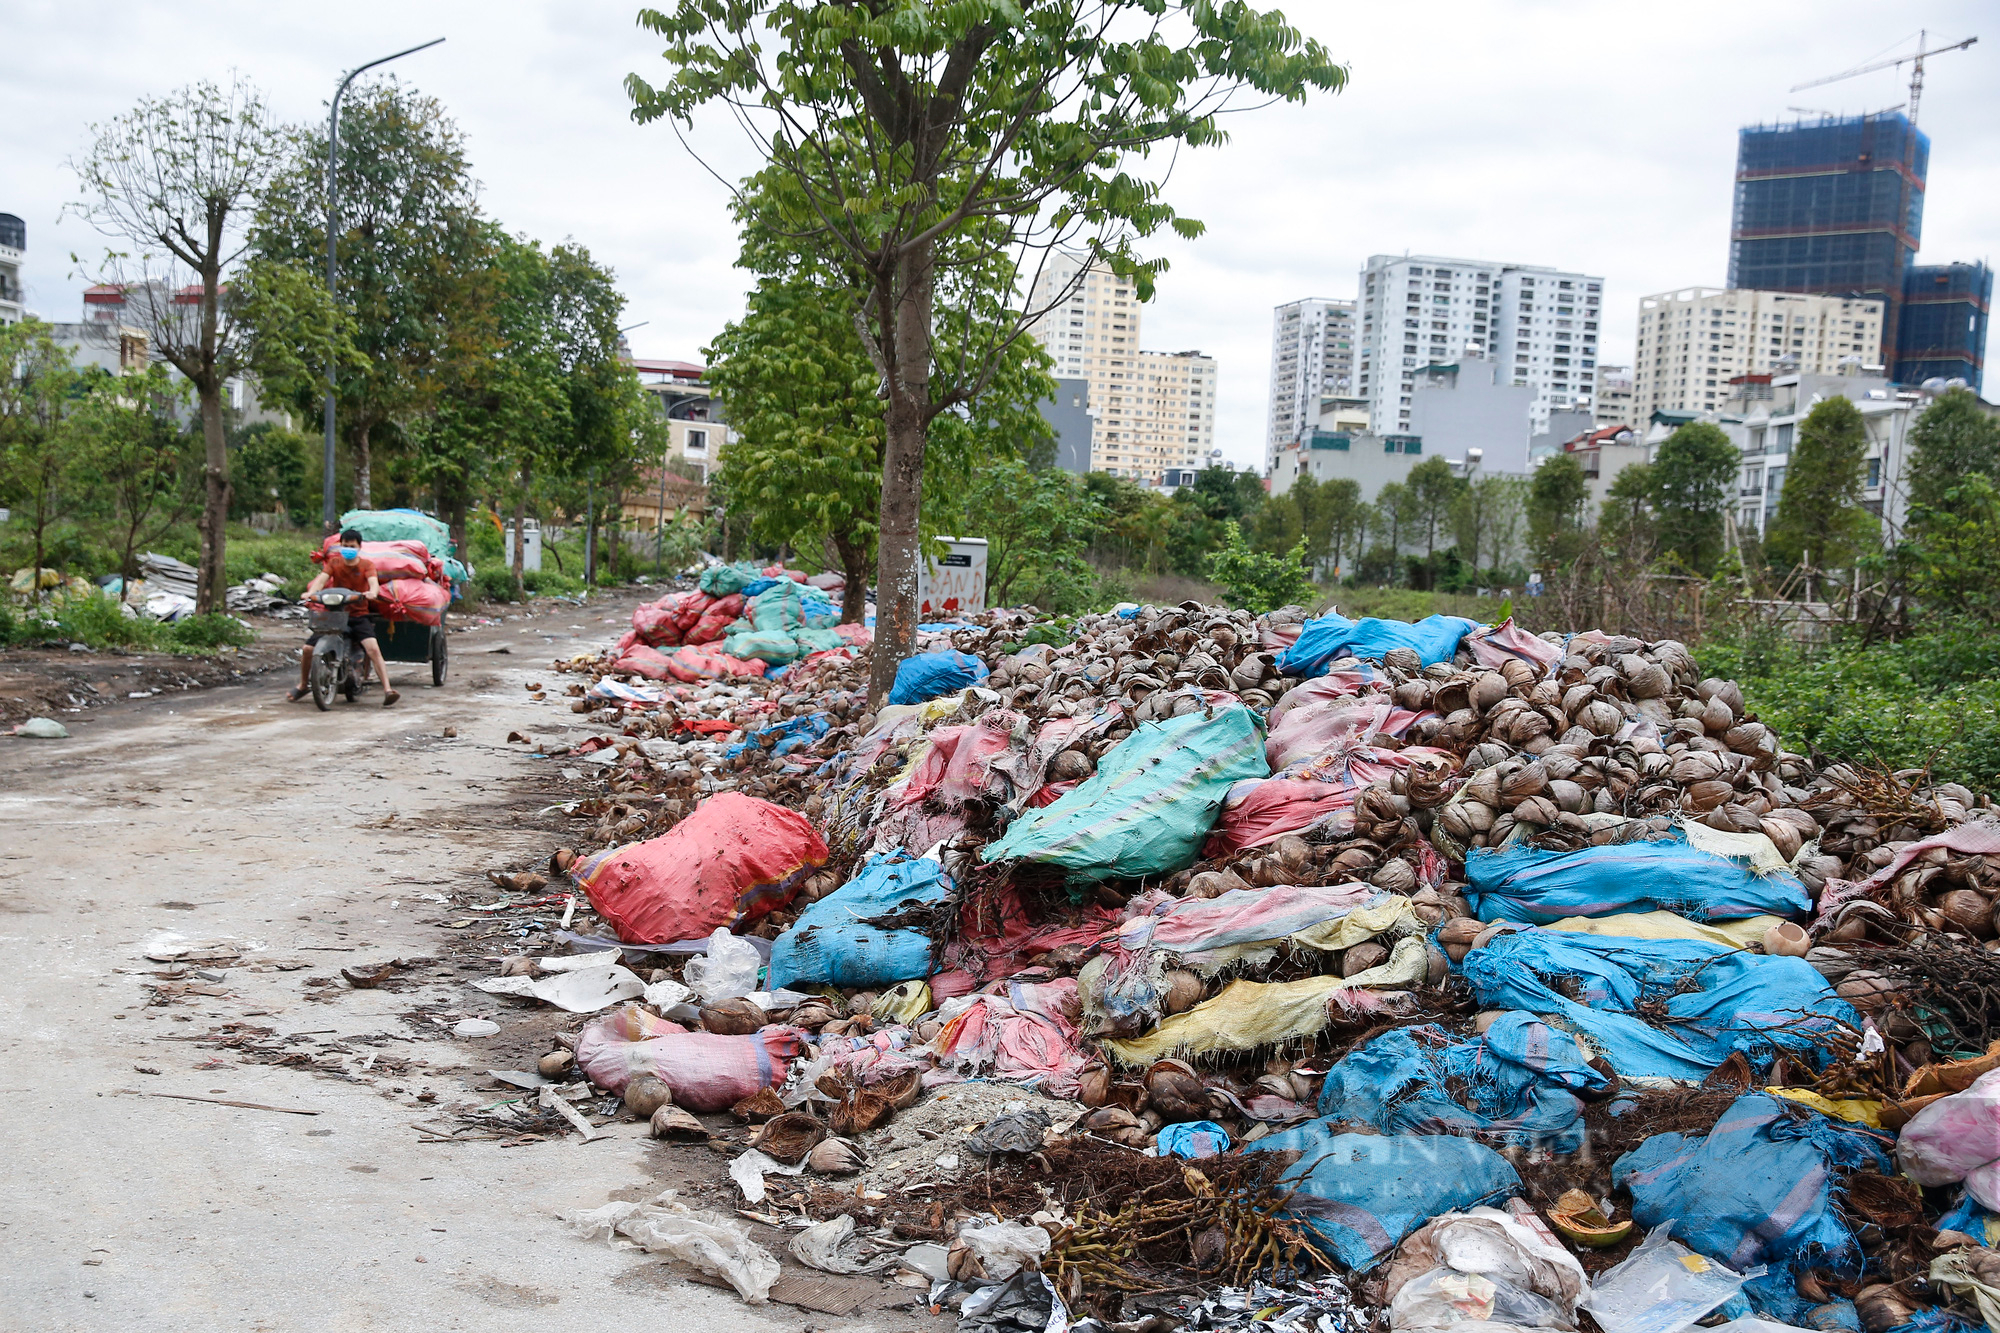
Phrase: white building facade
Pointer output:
(1312, 359)
(1692, 342)
(1611, 402)
(1770, 416)
(1152, 413)
(13, 254)
(1539, 324)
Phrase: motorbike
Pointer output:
(337, 659)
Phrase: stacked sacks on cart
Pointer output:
(391, 527)
(412, 582)
(1557, 871)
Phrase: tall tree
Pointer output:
(41, 473)
(906, 125)
(1693, 482)
(1395, 516)
(1486, 519)
(1434, 490)
(176, 177)
(128, 438)
(1557, 493)
(1819, 511)
(410, 243)
(1955, 438)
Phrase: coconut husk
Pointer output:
(788, 1137)
(762, 1105)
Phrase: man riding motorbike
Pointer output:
(347, 568)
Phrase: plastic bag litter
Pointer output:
(706, 1071)
(41, 729)
(821, 1246)
(1957, 1138)
(1761, 1187)
(1661, 1287)
(1016, 1131)
(580, 990)
(1521, 1073)
(727, 864)
(1529, 885)
(1025, 1301)
(925, 676)
(1005, 1248)
(1149, 805)
(1191, 1138)
(712, 1242)
(1512, 1247)
(749, 1169)
(832, 944)
(1332, 636)
(727, 970)
(1445, 1300)
(1716, 1000)
(1362, 1193)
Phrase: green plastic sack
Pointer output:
(400, 525)
(778, 607)
(723, 580)
(1150, 803)
(774, 646)
(817, 640)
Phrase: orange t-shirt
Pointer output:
(351, 575)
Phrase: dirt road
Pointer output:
(250, 826)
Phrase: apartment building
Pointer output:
(13, 253)
(1693, 342)
(1765, 412)
(1611, 402)
(1152, 413)
(1312, 360)
(1539, 324)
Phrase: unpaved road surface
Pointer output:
(232, 817)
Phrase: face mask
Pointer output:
(350, 553)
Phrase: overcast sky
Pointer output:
(1593, 136)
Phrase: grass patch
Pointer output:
(1932, 699)
(100, 622)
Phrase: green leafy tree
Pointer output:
(410, 243)
(1434, 490)
(1395, 516)
(1257, 580)
(1486, 519)
(1224, 493)
(1038, 526)
(1557, 493)
(1819, 511)
(904, 127)
(42, 473)
(1626, 521)
(1952, 563)
(176, 178)
(127, 437)
(1954, 439)
(1693, 476)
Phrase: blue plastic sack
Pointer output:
(1194, 1138)
(925, 676)
(1333, 636)
(831, 943)
(1714, 1000)
(794, 733)
(1528, 885)
(1362, 1193)
(1759, 1188)
(1150, 803)
(1523, 1075)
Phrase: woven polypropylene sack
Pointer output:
(833, 943)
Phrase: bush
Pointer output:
(204, 634)
(1930, 700)
(1258, 581)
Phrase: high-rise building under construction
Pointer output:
(1831, 207)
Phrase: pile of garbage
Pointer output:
(739, 620)
(1178, 963)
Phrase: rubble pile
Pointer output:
(1180, 964)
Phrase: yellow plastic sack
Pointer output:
(1251, 1014)
(1860, 1111)
(1665, 925)
(902, 1004)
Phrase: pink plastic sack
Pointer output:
(1957, 1138)
(1495, 644)
(639, 660)
(392, 560)
(706, 1072)
(727, 864)
(1333, 686)
(715, 619)
(1307, 732)
(414, 599)
(691, 665)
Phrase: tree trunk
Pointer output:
(210, 586)
(854, 568)
(906, 348)
(364, 497)
(452, 499)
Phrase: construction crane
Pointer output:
(1916, 63)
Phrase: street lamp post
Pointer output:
(332, 232)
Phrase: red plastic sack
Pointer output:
(414, 599)
(666, 622)
(715, 620)
(639, 660)
(392, 560)
(625, 642)
(727, 864)
(706, 1072)
(691, 665)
